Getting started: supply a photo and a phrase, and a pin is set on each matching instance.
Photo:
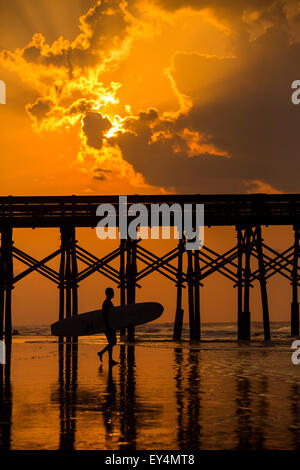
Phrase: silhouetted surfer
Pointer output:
(110, 332)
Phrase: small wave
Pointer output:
(163, 332)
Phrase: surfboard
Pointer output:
(124, 316)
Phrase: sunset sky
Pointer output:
(149, 96)
(171, 95)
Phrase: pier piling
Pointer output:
(131, 269)
(179, 311)
(263, 285)
(6, 282)
(295, 277)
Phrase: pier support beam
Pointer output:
(295, 303)
(197, 274)
(240, 282)
(243, 274)
(179, 311)
(122, 279)
(247, 274)
(6, 401)
(131, 270)
(6, 282)
(193, 282)
(68, 287)
(190, 280)
(263, 284)
(2, 293)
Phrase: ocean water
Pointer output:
(163, 332)
(217, 394)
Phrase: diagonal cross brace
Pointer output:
(35, 265)
(97, 264)
(279, 264)
(100, 265)
(218, 263)
(159, 264)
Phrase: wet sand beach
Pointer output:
(161, 395)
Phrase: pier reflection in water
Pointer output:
(68, 367)
(115, 402)
(188, 399)
(294, 428)
(170, 396)
(5, 402)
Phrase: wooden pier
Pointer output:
(247, 213)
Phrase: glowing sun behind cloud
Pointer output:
(146, 96)
(83, 83)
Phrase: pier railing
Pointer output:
(52, 211)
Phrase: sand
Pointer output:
(161, 395)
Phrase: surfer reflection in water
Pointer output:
(109, 332)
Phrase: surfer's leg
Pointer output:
(100, 354)
(106, 348)
(112, 339)
(112, 342)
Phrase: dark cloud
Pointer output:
(102, 174)
(80, 106)
(107, 21)
(162, 167)
(142, 123)
(233, 6)
(94, 127)
(249, 114)
(102, 170)
(149, 116)
(235, 13)
(157, 149)
(100, 177)
(254, 118)
(101, 29)
(40, 108)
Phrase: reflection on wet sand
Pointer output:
(244, 427)
(5, 402)
(127, 398)
(262, 412)
(119, 409)
(117, 404)
(155, 398)
(67, 370)
(188, 399)
(252, 409)
(294, 428)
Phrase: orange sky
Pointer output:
(147, 96)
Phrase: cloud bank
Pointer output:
(229, 125)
